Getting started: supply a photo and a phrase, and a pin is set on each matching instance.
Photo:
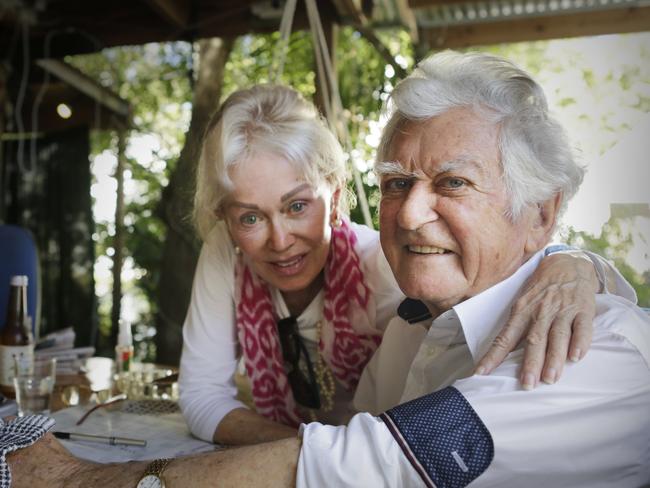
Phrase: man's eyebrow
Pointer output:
(459, 163)
(392, 168)
(291, 193)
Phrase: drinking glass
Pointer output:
(140, 383)
(34, 388)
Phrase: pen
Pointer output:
(113, 441)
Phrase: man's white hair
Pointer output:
(263, 120)
(536, 158)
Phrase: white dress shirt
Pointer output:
(590, 429)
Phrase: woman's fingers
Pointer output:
(557, 348)
(535, 352)
(554, 314)
(569, 338)
(527, 316)
(582, 333)
(503, 344)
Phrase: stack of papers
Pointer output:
(60, 345)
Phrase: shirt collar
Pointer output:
(483, 315)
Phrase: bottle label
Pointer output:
(12, 357)
(123, 356)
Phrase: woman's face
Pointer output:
(280, 222)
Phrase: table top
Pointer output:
(159, 422)
(165, 432)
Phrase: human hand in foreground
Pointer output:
(554, 315)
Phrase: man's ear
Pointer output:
(542, 224)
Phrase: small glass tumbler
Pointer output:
(34, 388)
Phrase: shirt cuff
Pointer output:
(442, 437)
(604, 269)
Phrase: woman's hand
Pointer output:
(554, 313)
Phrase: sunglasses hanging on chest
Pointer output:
(298, 365)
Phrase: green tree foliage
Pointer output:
(156, 80)
(614, 243)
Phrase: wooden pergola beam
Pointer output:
(350, 8)
(360, 22)
(407, 17)
(86, 85)
(176, 12)
(633, 19)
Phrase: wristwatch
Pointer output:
(152, 477)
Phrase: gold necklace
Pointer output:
(325, 380)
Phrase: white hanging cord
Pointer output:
(277, 66)
(326, 61)
(39, 99)
(20, 99)
(332, 104)
(45, 85)
(322, 66)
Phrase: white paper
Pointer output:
(167, 435)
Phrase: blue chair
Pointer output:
(19, 256)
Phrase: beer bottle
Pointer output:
(16, 340)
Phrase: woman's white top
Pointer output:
(211, 351)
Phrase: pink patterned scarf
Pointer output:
(348, 332)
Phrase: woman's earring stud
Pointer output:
(237, 250)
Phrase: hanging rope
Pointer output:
(329, 86)
(277, 66)
(333, 105)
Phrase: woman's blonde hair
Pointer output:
(264, 119)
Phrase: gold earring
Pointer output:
(237, 250)
(336, 222)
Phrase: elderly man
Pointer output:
(474, 173)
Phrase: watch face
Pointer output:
(150, 481)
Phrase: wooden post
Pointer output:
(3, 98)
(3, 101)
(118, 238)
(181, 248)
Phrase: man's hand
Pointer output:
(554, 314)
(46, 463)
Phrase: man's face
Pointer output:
(443, 219)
